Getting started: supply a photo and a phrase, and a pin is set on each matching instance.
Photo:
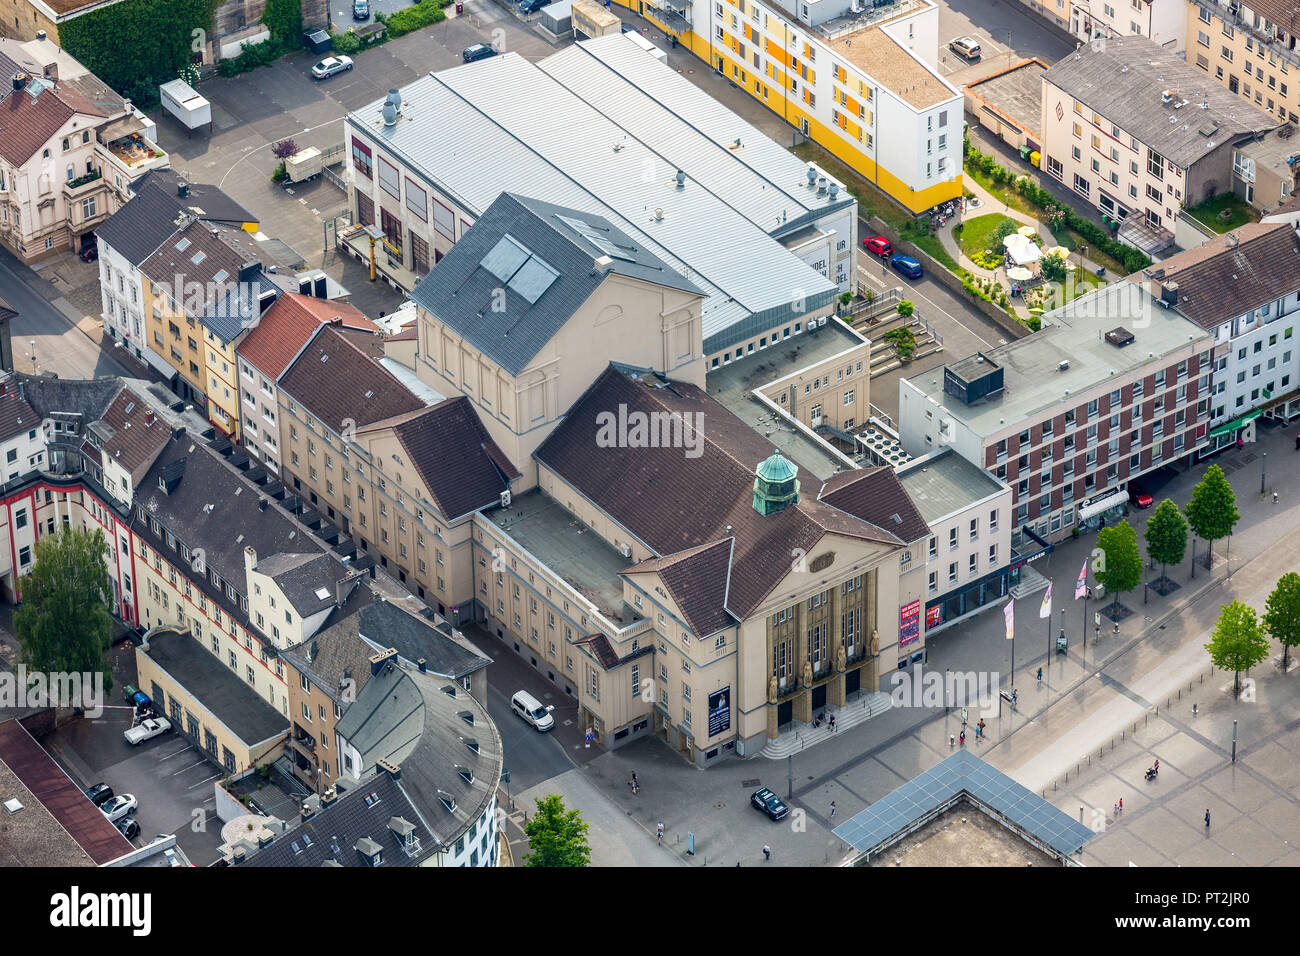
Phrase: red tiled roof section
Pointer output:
(59, 795)
(876, 495)
(698, 499)
(27, 123)
(697, 581)
(1251, 266)
(289, 324)
(337, 382)
(139, 435)
(458, 462)
(16, 415)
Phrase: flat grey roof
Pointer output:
(215, 687)
(1016, 92)
(731, 385)
(1032, 379)
(552, 143)
(1123, 79)
(944, 482)
(583, 559)
(877, 826)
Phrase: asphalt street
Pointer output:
(59, 345)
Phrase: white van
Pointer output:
(530, 709)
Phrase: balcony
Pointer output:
(133, 155)
(83, 186)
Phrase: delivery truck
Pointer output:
(183, 101)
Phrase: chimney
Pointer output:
(250, 559)
(1169, 293)
(40, 34)
(389, 767)
(326, 798)
(20, 81)
(51, 71)
(183, 189)
(423, 665)
(379, 660)
(603, 264)
(344, 587)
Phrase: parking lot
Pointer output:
(170, 778)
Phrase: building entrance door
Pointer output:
(853, 681)
(818, 697)
(784, 713)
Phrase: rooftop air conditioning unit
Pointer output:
(505, 499)
(625, 550)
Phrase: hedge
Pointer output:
(1133, 259)
(251, 57)
(162, 38)
(284, 19)
(415, 17)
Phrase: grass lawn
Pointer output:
(1072, 241)
(1004, 194)
(977, 234)
(872, 202)
(1238, 213)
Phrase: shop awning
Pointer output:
(120, 127)
(1239, 422)
(1103, 504)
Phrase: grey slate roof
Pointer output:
(463, 287)
(329, 837)
(215, 686)
(408, 719)
(386, 625)
(333, 655)
(146, 221)
(301, 576)
(1123, 79)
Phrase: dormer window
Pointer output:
(471, 743)
(467, 716)
(465, 773)
(447, 800)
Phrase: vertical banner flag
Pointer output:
(1010, 612)
(1046, 610)
(1081, 589)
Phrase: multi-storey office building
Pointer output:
(1113, 386)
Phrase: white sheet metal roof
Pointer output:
(471, 133)
(691, 130)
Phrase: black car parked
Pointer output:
(99, 794)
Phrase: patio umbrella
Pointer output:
(1057, 252)
(1019, 274)
(1015, 239)
(1024, 253)
(1026, 231)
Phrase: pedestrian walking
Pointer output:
(963, 716)
(952, 740)
(633, 783)
(767, 852)
(1040, 675)
(979, 728)
(1115, 810)
(1015, 697)
(832, 809)
(962, 738)
(1207, 818)
(660, 833)
(1275, 497)
(832, 723)
(1121, 804)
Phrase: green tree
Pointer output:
(63, 623)
(1166, 535)
(284, 19)
(1212, 512)
(1238, 642)
(906, 308)
(1121, 570)
(1282, 615)
(556, 836)
(1053, 268)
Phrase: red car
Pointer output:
(879, 245)
(1138, 495)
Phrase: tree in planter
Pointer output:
(1166, 536)
(63, 624)
(556, 836)
(1212, 512)
(1238, 642)
(1122, 568)
(906, 308)
(284, 149)
(904, 343)
(1282, 615)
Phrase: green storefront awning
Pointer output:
(1236, 423)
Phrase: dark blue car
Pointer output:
(907, 266)
(532, 6)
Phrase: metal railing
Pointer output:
(880, 303)
(332, 177)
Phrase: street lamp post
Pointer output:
(1263, 469)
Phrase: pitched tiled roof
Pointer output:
(335, 381)
(538, 260)
(458, 461)
(131, 433)
(16, 415)
(697, 580)
(150, 217)
(673, 501)
(287, 326)
(1251, 266)
(876, 495)
(28, 122)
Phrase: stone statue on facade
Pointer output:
(875, 643)
(772, 689)
(841, 659)
(807, 674)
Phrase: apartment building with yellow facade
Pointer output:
(1249, 48)
(859, 79)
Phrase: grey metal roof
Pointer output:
(1123, 79)
(542, 256)
(877, 826)
(386, 625)
(552, 143)
(691, 130)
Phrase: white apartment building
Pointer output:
(1244, 289)
(1163, 21)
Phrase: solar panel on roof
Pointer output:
(612, 249)
(504, 259)
(533, 278)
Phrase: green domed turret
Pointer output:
(776, 484)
